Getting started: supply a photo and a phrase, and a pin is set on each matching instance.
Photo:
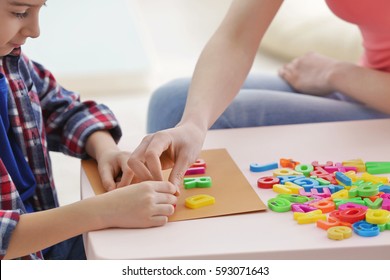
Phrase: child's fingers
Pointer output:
(158, 221)
(164, 187)
(126, 177)
(107, 179)
(163, 210)
(165, 198)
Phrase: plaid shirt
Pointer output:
(43, 116)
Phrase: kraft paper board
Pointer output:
(232, 192)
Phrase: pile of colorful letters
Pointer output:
(342, 198)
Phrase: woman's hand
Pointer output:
(310, 74)
(175, 148)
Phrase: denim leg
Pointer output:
(263, 100)
(71, 249)
(264, 107)
(267, 81)
(167, 103)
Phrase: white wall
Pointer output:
(91, 45)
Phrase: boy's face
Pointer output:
(18, 21)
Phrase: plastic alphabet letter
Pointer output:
(200, 200)
(377, 216)
(291, 178)
(339, 232)
(195, 170)
(339, 167)
(386, 201)
(294, 198)
(358, 163)
(343, 178)
(267, 182)
(365, 190)
(384, 188)
(255, 167)
(335, 188)
(309, 217)
(304, 168)
(350, 205)
(279, 205)
(331, 222)
(340, 194)
(376, 204)
(197, 182)
(352, 215)
(199, 163)
(316, 164)
(288, 188)
(374, 179)
(379, 167)
(285, 172)
(365, 229)
(302, 208)
(306, 183)
(324, 205)
(288, 162)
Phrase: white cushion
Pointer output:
(308, 25)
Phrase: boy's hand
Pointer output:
(114, 170)
(146, 204)
(112, 162)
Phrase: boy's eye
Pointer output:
(21, 15)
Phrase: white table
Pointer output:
(262, 235)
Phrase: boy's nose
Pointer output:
(31, 28)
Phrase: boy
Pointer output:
(37, 115)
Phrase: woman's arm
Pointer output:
(226, 60)
(220, 71)
(370, 87)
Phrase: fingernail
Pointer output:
(177, 193)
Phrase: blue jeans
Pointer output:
(71, 249)
(263, 100)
